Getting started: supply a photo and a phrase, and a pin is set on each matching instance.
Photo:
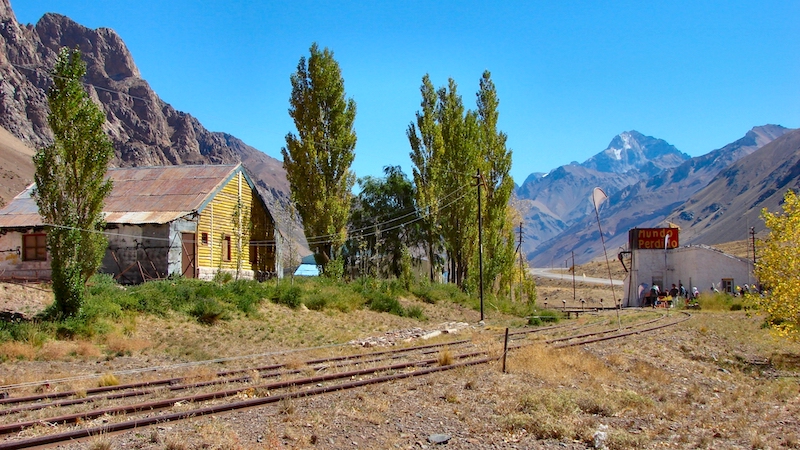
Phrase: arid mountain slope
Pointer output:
(16, 166)
(648, 202)
(732, 202)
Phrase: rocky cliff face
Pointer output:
(144, 129)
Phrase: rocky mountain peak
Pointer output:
(631, 150)
(765, 134)
(6, 14)
(104, 51)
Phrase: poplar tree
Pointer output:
(70, 183)
(449, 145)
(318, 158)
(498, 236)
(458, 165)
(425, 138)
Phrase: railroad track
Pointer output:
(50, 418)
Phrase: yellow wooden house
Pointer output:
(193, 221)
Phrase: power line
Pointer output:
(100, 88)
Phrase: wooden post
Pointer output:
(505, 350)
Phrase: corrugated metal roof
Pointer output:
(140, 195)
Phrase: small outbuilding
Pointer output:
(657, 259)
(308, 267)
(192, 221)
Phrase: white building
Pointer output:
(694, 266)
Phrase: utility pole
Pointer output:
(519, 249)
(521, 273)
(479, 179)
(753, 237)
(573, 276)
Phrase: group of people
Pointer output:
(677, 291)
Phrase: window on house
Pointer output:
(727, 285)
(226, 250)
(204, 238)
(34, 247)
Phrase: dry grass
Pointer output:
(445, 357)
(100, 443)
(218, 435)
(108, 379)
(125, 345)
(716, 381)
(15, 350)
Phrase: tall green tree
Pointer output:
(495, 163)
(425, 138)
(450, 145)
(458, 165)
(318, 158)
(70, 183)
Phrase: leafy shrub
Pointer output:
(289, 295)
(718, 301)
(222, 277)
(316, 302)
(208, 311)
(32, 333)
(247, 295)
(334, 269)
(384, 303)
(82, 326)
(415, 312)
(425, 293)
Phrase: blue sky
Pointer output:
(570, 75)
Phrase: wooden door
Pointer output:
(189, 255)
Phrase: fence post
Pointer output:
(505, 350)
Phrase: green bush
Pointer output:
(316, 302)
(208, 311)
(415, 312)
(23, 331)
(385, 303)
(718, 301)
(289, 295)
(222, 277)
(425, 293)
(247, 295)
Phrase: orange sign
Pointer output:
(654, 238)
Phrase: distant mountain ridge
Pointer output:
(552, 203)
(650, 202)
(726, 208)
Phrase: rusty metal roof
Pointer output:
(140, 195)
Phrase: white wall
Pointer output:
(693, 266)
(12, 265)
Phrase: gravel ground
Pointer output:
(696, 385)
(718, 380)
